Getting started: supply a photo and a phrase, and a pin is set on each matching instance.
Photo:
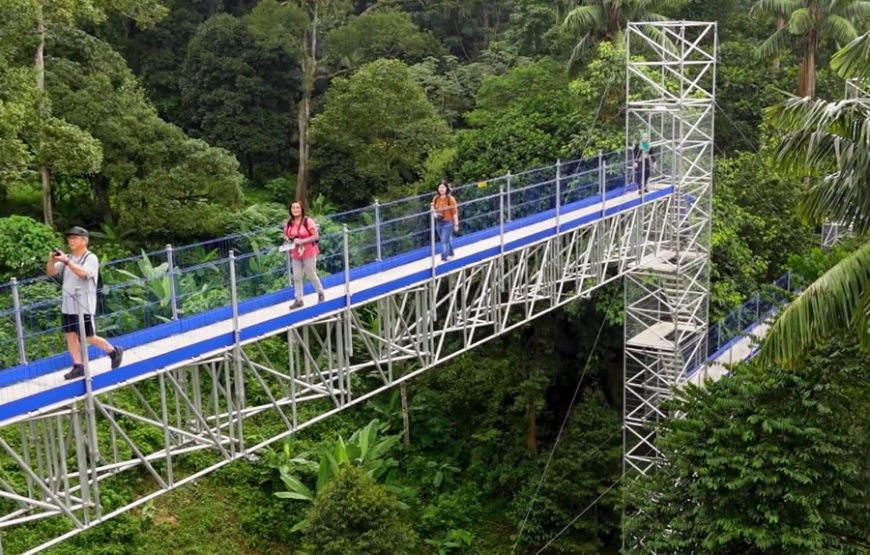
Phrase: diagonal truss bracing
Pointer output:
(671, 97)
(201, 412)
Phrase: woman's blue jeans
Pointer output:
(445, 234)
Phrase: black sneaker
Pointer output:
(77, 372)
(297, 304)
(116, 356)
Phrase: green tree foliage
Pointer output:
(585, 463)
(764, 462)
(807, 25)
(17, 105)
(522, 119)
(192, 197)
(744, 88)
(853, 60)
(26, 245)
(296, 27)
(535, 114)
(356, 516)
(237, 95)
(828, 141)
(451, 86)
(364, 449)
(596, 20)
(380, 34)
(535, 29)
(756, 228)
(157, 53)
(59, 146)
(380, 120)
(465, 27)
(153, 178)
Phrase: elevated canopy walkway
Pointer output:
(198, 370)
(194, 383)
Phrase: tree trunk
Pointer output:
(780, 24)
(101, 194)
(406, 414)
(47, 204)
(304, 113)
(807, 83)
(309, 75)
(531, 428)
(39, 62)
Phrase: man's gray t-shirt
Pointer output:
(88, 285)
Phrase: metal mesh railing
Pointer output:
(177, 282)
(755, 310)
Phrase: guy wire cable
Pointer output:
(565, 421)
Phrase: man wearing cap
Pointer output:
(79, 269)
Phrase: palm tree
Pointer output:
(830, 140)
(596, 20)
(853, 60)
(808, 24)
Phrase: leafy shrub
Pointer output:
(354, 515)
(25, 247)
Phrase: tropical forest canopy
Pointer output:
(172, 121)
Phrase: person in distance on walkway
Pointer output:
(644, 161)
(79, 269)
(301, 232)
(446, 211)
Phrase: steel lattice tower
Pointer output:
(670, 86)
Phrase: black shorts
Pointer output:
(69, 323)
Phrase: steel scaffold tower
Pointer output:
(670, 86)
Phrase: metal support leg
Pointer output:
(173, 295)
(19, 327)
(378, 231)
(239, 386)
(90, 412)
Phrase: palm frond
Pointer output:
(774, 7)
(585, 19)
(775, 44)
(800, 21)
(655, 17)
(831, 141)
(838, 29)
(852, 11)
(659, 5)
(578, 51)
(836, 301)
(660, 36)
(853, 60)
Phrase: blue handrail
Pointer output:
(138, 293)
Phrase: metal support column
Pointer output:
(238, 383)
(378, 253)
(19, 327)
(173, 295)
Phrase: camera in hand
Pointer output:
(56, 252)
